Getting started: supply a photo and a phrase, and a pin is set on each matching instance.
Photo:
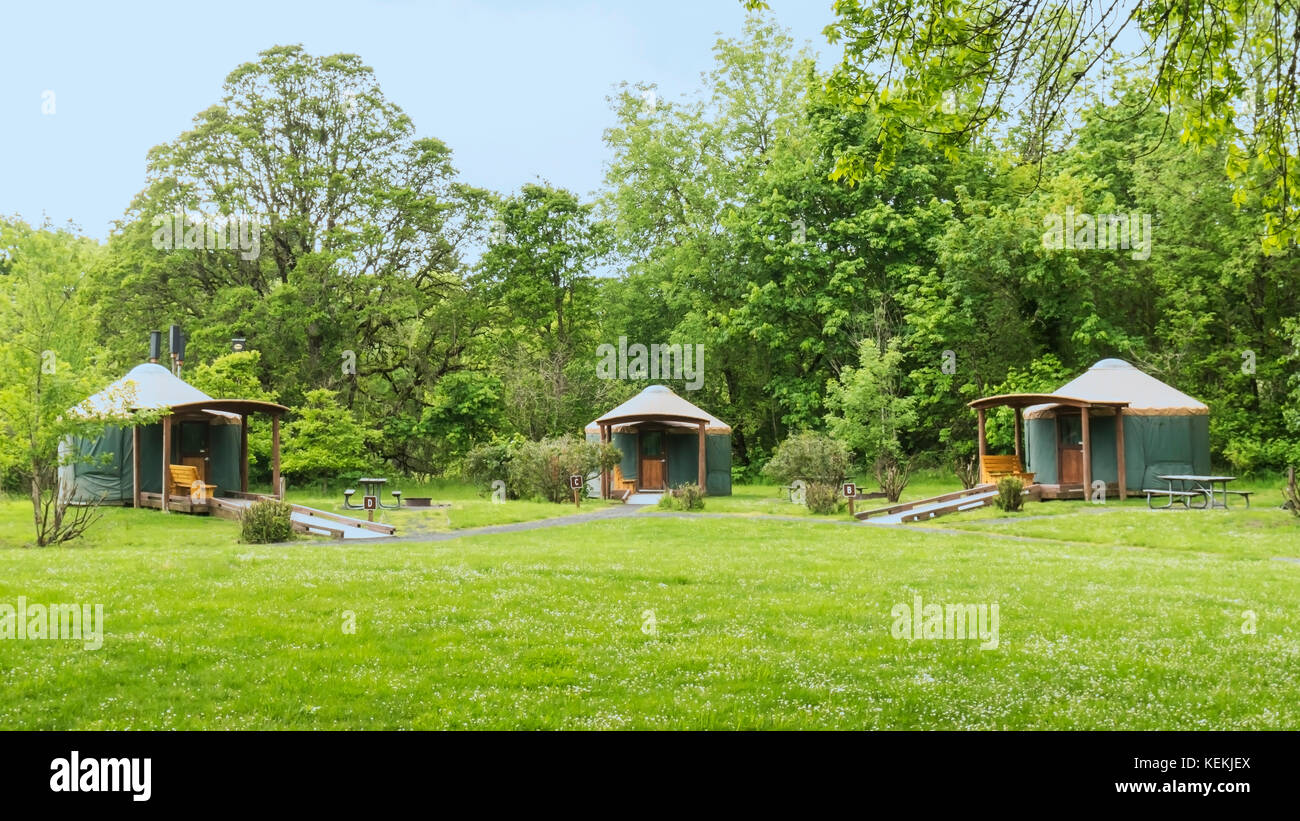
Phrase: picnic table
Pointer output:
(1193, 485)
(373, 487)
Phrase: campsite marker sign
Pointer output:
(850, 493)
(575, 482)
(370, 503)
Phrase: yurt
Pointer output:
(1165, 431)
(666, 441)
(126, 464)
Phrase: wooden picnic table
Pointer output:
(1204, 485)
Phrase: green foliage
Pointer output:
(812, 457)
(730, 230)
(363, 226)
(266, 521)
(870, 411)
(541, 470)
(1043, 375)
(48, 364)
(235, 375)
(1010, 494)
(823, 498)
(959, 73)
(487, 463)
(682, 497)
(538, 276)
(323, 439)
(464, 408)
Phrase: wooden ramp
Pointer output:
(310, 520)
(944, 503)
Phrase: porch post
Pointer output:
(275, 456)
(166, 462)
(243, 453)
(605, 478)
(1119, 452)
(979, 416)
(135, 466)
(703, 473)
(1087, 454)
(1017, 426)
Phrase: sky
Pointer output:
(516, 89)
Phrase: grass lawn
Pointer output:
(1127, 619)
(469, 507)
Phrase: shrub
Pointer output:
(822, 498)
(541, 470)
(1010, 496)
(967, 467)
(813, 457)
(683, 497)
(266, 521)
(892, 472)
(486, 463)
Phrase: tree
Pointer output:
(323, 439)
(538, 274)
(47, 366)
(464, 409)
(678, 172)
(1221, 75)
(869, 413)
(354, 278)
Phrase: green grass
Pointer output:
(469, 507)
(772, 500)
(1129, 619)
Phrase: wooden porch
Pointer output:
(993, 466)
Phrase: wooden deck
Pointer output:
(1074, 491)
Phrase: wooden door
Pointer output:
(1070, 442)
(653, 467)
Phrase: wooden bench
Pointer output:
(182, 479)
(1183, 496)
(994, 467)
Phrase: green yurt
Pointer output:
(201, 432)
(662, 437)
(1165, 430)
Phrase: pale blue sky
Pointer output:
(517, 89)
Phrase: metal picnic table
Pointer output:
(1204, 485)
(373, 487)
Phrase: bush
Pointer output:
(683, 497)
(266, 521)
(541, 470)
(486, 463)
(822, 498)
(892, 473)
(967, 467)
(1010, 496)
(813, 457)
